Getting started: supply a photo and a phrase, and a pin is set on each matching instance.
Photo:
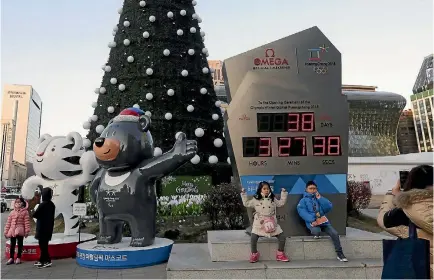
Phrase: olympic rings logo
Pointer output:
(320, 69)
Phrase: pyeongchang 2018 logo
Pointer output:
(270, 61)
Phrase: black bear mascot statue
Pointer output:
(124, 187)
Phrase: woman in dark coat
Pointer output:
(44, 215)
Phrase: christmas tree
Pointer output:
(158, 63)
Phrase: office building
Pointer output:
(19, 136)
(217, 75)
(422, 101)
(407, 141)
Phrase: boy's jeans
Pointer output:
(316, 231)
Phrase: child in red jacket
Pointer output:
(17, 228)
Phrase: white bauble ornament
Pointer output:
(96, 90)
(112, 44)
(142, 3)
(107, 68)
(207, 54)
(89, 119)
(229, 160)
(102, 90)
(184, 73)
(205, 70)
(126, 23)
(205, 50)
(183, 12)
(195, 159)
(218, 142)
(115, 28)
(149, 71)
(223, 134)
(191, 51)
(213, 159)
(168, 116)
(137, 106)
(190, 108)
(203, 90)
(127, 42)
(218, 103)
(130, 59)
(113, 81)
(113, 33)
(146, 34)
(86, 143)
(199, 20)
(192, 30)
(170, 15)
(94, 118)
(110, 109)
(223, 110)
(202, 33)
(179, 32)
(102, 67)
(121, 87)
(120, 11)
(194, 2)
(94, 104)
(99, 129)
(149, 114)
(194, 16)
(170, 92)
(215, 117)
(152, 18)
(149, 96)
(157, 152)
(86, 125)
(166, 52)
(199, 132)
(177, 134)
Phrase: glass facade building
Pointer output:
(33, 126)
(374, 118)
(422, 102)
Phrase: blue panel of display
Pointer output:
(295, 184)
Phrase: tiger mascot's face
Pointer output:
(58, 157)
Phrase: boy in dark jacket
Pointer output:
(312, 208)
(44, 215)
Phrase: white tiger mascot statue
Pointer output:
(62, 164)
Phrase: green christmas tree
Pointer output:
(158, 63)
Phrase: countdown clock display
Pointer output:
(288, 123)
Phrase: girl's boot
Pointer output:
(254, 257)
(281, 257)
(10, 261)
(18, 261)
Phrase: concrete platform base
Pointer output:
(234, 245)
(192, 261)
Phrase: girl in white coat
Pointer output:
(264, 221)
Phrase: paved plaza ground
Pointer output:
(68, 268)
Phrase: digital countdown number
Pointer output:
(292, 146)
(286, 122)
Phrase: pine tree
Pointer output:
(158, 63)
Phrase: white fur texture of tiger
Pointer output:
(62, 164)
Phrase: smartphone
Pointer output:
(403, 175)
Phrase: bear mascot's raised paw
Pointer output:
(124, 187)
(61, 164)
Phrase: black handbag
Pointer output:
(407, 258)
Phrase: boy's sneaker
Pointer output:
(281, 257)
(316, 237)
(43, 265)
(10, 261)
(341, 257)
(254, 257)
(18, 261)
(38, 263)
